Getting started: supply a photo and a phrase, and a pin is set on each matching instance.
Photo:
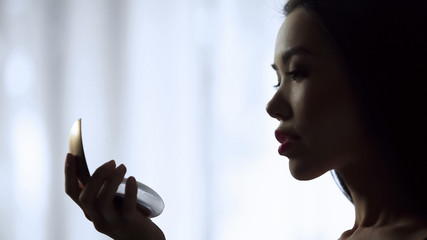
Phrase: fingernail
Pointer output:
(121, 168)
(111, 164)
(68, 160)
(131, 180)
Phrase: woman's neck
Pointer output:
(377, 202)
(382, 209)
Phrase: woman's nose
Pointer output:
(279, 108)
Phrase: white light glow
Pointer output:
(30, 173)
(19, 74)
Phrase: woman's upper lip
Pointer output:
(282, 135)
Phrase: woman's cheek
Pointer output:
(308, 108)
(315, 116)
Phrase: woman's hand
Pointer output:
(121, 220)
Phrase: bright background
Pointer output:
(176, 90)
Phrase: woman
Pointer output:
(349, 99)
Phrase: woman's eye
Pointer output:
(296, 75)
(278, 84)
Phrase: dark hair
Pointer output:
(384, 44)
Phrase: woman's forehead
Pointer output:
(301, 29)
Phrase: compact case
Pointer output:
(147, 198)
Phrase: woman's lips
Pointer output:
(286, 141)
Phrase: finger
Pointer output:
(89, 194)
(129, 203)
(72, 187)
(107, 194)
(82, 170)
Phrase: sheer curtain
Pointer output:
(176, 90)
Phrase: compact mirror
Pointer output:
(147, 198)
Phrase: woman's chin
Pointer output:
(304, 172)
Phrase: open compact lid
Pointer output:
(146, 197)
(75, 142)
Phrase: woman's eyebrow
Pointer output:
(286, 56)
(298, 50)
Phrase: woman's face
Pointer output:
(320, 125)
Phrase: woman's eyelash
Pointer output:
(296, 74)
(293, 75)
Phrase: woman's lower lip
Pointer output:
(285, 146)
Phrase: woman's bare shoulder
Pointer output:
(420, 234)
(407, 230)
(410, 230)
